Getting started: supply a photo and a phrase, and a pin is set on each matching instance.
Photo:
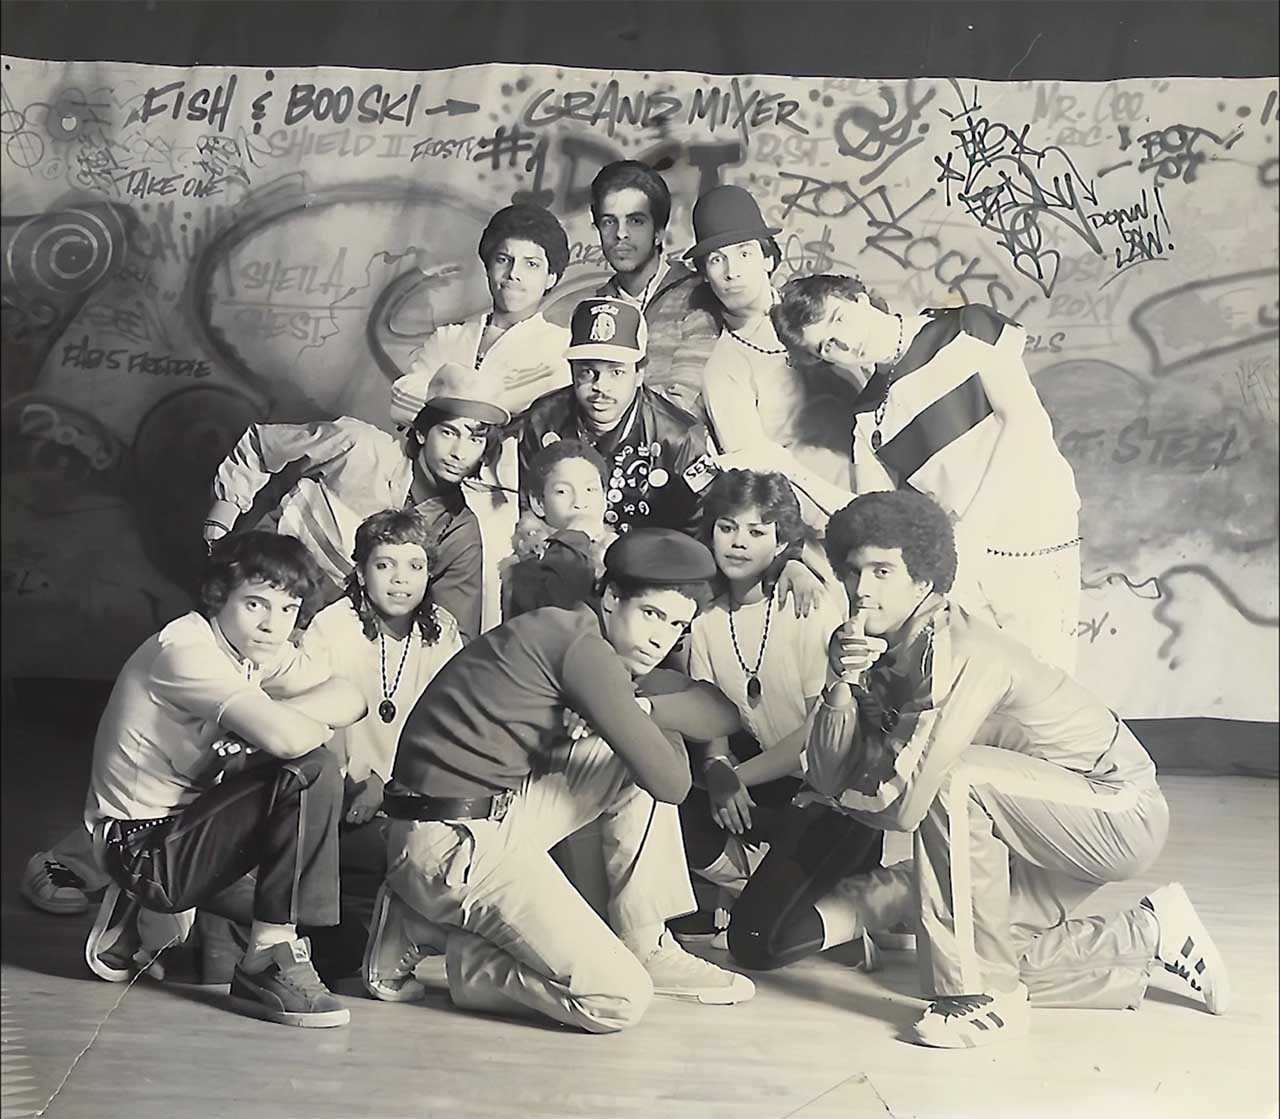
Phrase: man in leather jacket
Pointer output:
(656, 453)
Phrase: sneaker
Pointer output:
(114, 940)
(52, 887)
(1186, 949)
(399, 940)
(678, 975)
(701, 927)
(967, 1021)
(287, 990)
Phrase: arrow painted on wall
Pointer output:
(453, 108)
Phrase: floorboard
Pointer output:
(820, 1041)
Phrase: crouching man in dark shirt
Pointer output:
(488, 779)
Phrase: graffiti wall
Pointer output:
(188, 251)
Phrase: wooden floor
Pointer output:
(819, 1041)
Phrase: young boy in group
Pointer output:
(513, 356)
(322, 479)
(1023, 791)
(487, 780)
(210, 762)
(389, 639)
(772, 665)
(560, 541)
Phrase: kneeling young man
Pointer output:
(487, 780)
(175, 824)
(1024, 791)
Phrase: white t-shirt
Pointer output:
(777, 417)
(794, 666)
(335, 638)
(152, 754)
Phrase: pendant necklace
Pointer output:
(884, 400)
(387, 709)
(753, 674)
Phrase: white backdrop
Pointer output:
(186, 251)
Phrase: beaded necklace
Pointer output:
(753, 674)
(387, 709)
(884, 399)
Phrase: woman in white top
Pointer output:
(772, 665)
(389, 640)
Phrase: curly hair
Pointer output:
(259, 557)
(631, 174)
(393, 526)
(545, 461)
(804, 302)
(897, 519)
(527, 223)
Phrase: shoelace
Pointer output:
(302, 975)
(61, 875)
(957, 1006)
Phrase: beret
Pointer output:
(659, 556)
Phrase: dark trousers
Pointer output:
(774, 922)
(278, 818)
(704, 839)
(362, 864)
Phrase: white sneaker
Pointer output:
(677, 974)
(399, 940)
(1186, 949)
(967, 1021)
(51, 886)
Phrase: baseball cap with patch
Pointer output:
(607, 329)
(452, 390)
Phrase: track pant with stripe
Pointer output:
(1010, 847)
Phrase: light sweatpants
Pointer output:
(1009, 848)
(519, 935)
(1034, 598)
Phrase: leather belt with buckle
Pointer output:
(415, 806)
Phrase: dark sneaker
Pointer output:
(702, 927)
(287, 990)
(399, 940)
(1186, 949)
(967, 1021)
(114, 940)
(52, 887)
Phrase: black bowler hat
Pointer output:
(607, 330)
(726, 215)
(659, 556)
